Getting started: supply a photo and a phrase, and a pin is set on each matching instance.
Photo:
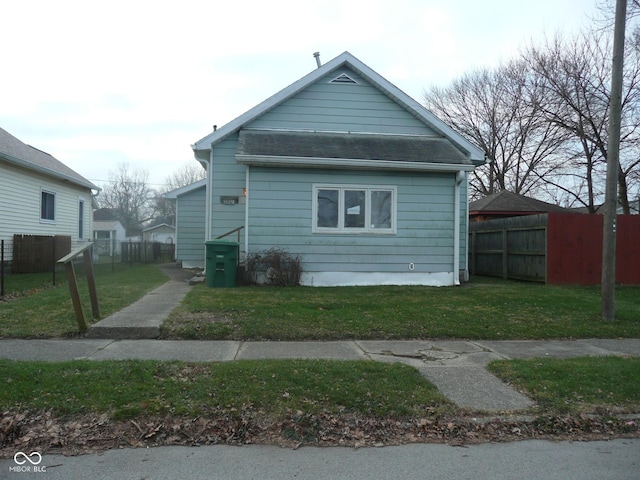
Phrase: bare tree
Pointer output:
(499, 111)
(186, 175)
(128, 194)
(575, 77)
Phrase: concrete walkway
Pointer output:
(143, 318)
(456, 368)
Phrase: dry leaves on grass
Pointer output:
(44, 432)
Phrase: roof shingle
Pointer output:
(17, 152)
(401, 148)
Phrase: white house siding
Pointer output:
(20, 197)
(190, 229)
(280, 215)
(159, 234)
(324, 106)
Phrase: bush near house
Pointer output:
(275, 267)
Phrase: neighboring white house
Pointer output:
(346, 171)
(162, 233)
(39, 195)
(108, 232)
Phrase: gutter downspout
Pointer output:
(246, 213)
(207, 208)
(456, 227)
(466, 225)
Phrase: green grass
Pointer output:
(483, 309)
(29, 283)
(48, 312)
(127, 389)
(575, 385)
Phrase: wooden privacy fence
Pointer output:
(38, 253)
(147, 252)
(555, 248)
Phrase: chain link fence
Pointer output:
(30, 265)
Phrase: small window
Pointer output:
(48, 206)
(344, 78)
(80, 219)
(328, 208)
(354, 209)
(355, 206)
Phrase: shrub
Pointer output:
(275, 266)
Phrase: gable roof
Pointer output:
(509, 202)
(14, 151)
(186, 189)
(161, 225)
(204, 145)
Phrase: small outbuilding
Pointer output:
(161, 233)
(506, 204)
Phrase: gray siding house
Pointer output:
(190, 221)
(347, 171)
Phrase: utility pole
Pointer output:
(613, 158)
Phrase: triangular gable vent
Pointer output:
(344, 78)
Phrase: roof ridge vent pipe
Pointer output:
(317, 56)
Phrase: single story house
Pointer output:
(190, 222)
(505, 204)
(108, 232)
(41, 196)
(347, 171)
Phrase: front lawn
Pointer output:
(84, 406)
(485, 308)
(577, 384)
(131, 389)
(48, 311)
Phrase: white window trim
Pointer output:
(341, 229)
(47, 220)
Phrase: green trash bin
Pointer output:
(222, 263)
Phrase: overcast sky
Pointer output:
(97, 84)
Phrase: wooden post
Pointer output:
(91, 282)
(53, 259)
(73, 285)
(613, 161)
(75, 295)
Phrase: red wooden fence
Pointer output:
(559, 248)
(574, 249)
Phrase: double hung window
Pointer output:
(354, 209)
(47, 206)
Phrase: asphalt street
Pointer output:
(531, 460)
